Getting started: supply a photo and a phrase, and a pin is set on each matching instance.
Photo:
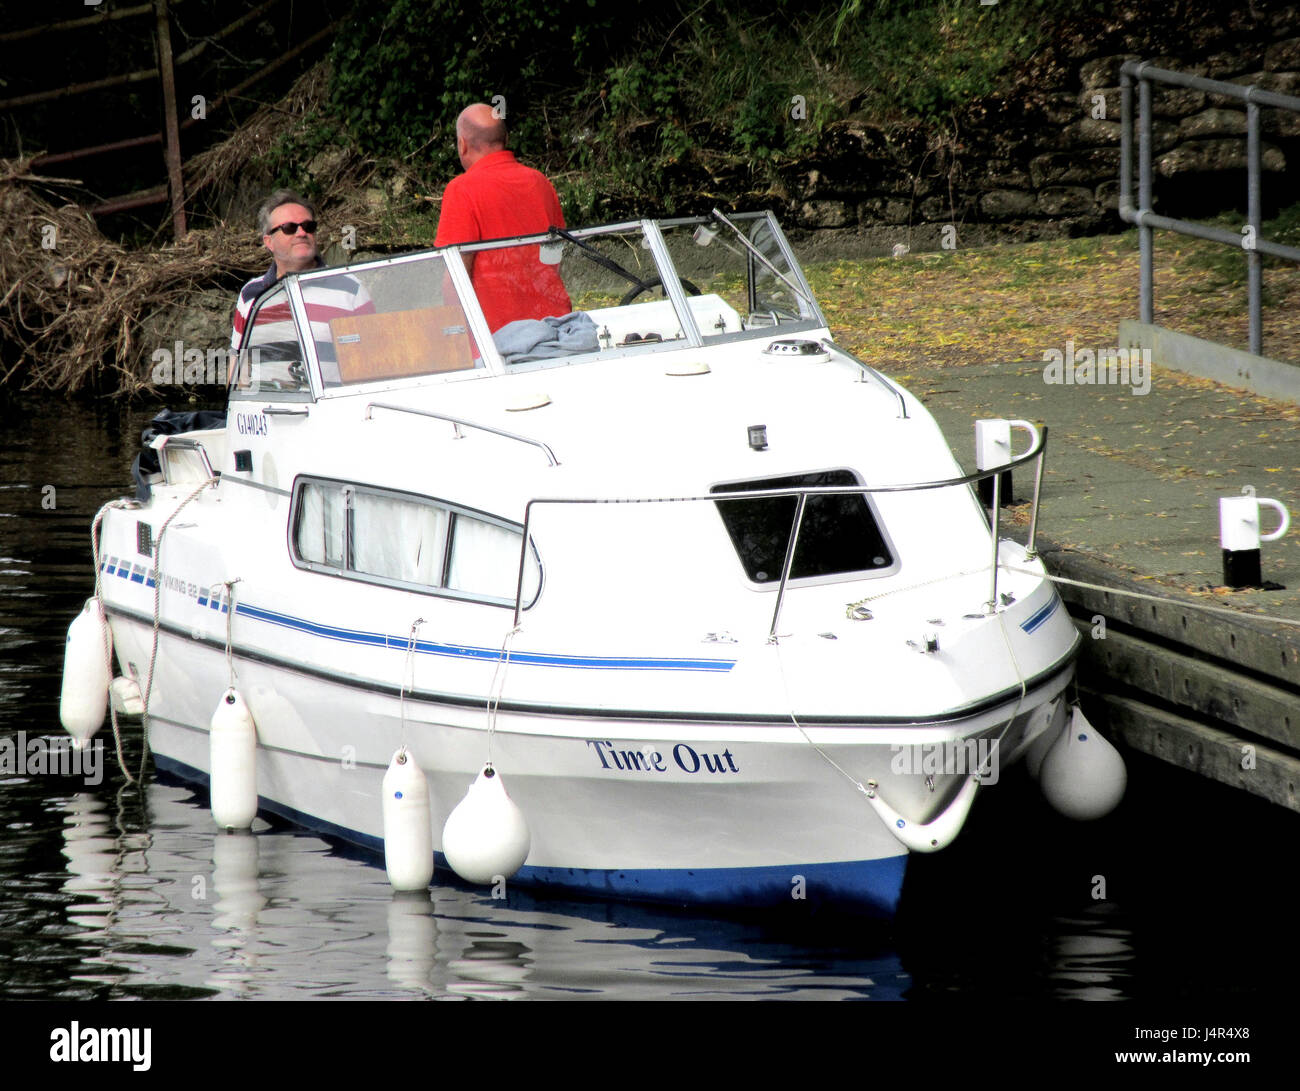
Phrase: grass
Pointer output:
(1014, 302)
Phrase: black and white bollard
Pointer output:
(1239, 533)
(992, 449)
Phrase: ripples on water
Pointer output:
(110, 892)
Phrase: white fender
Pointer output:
(486, 835)
(1083, 776)
(408, 827)
(232, 752)
(83, 703)
(939, 832)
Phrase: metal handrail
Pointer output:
(867, 369)
(1146, 220)
(458, 422)
(1036, 452)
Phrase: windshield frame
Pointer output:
(492, 362)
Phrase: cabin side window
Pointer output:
(839, 535)
(407, 541)
(484, 559)
(271, 358)
(319, 530)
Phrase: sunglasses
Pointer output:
(291, 228)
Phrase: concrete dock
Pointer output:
(1130, 503)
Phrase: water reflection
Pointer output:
(238, 901)
(93, 866)
(1092, 958)
(412, 940)
(280, 914)
(491, 967)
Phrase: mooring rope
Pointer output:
(230, 617)
(408, 677)
(850, 607)
(99, 604)
(1227, 611)
(789, 704)
(157, 622)
(495, 691)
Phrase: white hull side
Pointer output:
(602, 796)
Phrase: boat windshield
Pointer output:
(394, 320)
(609, 291)
(743, 261)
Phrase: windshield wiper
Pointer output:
(601, 260)
(717, 215)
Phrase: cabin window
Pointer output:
(320, 525)
(399, 539)
(839, 535)
(484, 559)
(271, 358)
(408, 541)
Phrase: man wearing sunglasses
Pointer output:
(288, 225)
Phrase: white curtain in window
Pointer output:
(485, 560)
(397, 539)
(320, 525)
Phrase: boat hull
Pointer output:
(680, 810)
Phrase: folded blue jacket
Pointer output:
(546, 338)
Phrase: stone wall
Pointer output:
(1043, 160)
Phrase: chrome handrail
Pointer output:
(1036, 452)
(868, 369)
(458, 422)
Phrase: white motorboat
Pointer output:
(709, 593)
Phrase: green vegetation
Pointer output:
(634, 105)
(928, 59)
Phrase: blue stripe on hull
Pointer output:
(872, 887)
(1040, 616)
(491, 655)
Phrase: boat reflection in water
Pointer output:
(278, 914)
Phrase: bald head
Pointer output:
(479, 131)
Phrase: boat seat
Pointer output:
(397, 344)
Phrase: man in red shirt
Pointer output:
(498, 197)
